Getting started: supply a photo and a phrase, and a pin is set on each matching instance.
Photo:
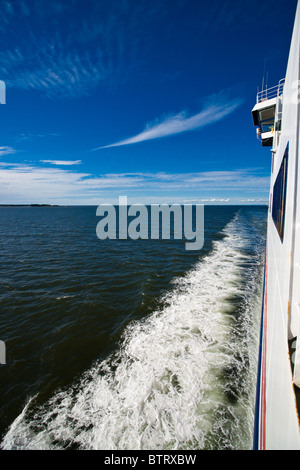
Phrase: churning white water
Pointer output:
(183, 378)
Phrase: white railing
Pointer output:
(270, 93)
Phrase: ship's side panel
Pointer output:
(294, 319)
(278, 419)
(294, 323)
(280, 422)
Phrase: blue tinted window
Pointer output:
(279, 195)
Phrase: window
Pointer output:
(266, 119)
(279, 195)
(267, 126)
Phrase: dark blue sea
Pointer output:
(128, 344)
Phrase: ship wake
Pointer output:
(183, 378)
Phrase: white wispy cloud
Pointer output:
(60, 58)
(57, 72)
(6, 150)
(28, 183)
(31, 136)
(62, 162)
(52, 48)
(181, 122)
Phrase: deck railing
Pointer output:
(270, 93)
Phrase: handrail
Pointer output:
(270, 93)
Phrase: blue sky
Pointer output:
(149, 99)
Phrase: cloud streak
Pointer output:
(62, 162)
(6, 150)
(180, 123)
(61, 53)
(28, 183)
(57, 73)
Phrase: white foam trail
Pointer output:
(164, 388)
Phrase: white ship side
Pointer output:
(276, 114)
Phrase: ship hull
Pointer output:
(276, 416)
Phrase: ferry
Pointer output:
(276, 117)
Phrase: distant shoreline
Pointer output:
(30, 205)
(94, 205)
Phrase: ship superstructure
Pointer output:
(276, 115)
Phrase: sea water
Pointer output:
(128, 344)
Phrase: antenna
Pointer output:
(263, 79)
